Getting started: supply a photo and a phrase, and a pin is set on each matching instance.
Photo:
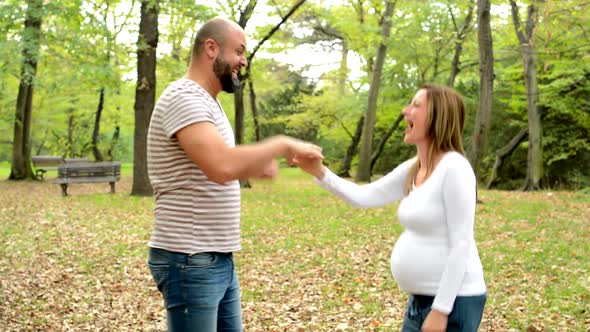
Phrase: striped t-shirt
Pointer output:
(192, 213)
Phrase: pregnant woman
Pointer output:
(435, 259)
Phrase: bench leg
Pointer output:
(39, 173)
(64, 189)
(112, 187)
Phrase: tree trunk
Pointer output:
(460, 38)
(245, 15)
(364, 169)
(239, 97)
(239, 123)
(486, 85)
(384, 140)
(351, 151)
(239, 117)
(96, 131)
(343, 70)
(145, 94)
(114, 141)
(504, 152)
(21, 149)
(535, 152)
(70, 139)
(42, 143)
(254, 110)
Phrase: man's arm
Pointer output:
(205, 146)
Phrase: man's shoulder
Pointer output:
(185, 95)
(184, 87)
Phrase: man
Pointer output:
(194, 168)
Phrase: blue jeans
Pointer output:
(201, 291)
(465, 316)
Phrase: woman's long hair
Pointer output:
(446, 119)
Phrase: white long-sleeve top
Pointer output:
(436, 254)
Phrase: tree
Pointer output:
(245, 15)
(145, 93)
(526, 39)
(239, 94)
(99, 16)
(486, 84)
(459, 39)
(21, 150)
(364, 169)
(356, 138)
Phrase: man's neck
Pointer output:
(207, 81)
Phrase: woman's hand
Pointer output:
(435, 322)
(301, 149)
(310, 165)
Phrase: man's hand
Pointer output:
(435, 322)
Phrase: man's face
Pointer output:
(224, 72)
(230, 60)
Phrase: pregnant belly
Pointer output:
(417, 263)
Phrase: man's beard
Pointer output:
(223, 72)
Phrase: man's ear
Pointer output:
(211, 48)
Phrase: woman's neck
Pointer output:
(428, 162)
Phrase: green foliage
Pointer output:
(281, 113)
(89, 46)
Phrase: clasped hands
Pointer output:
(309, 159)
(306, 155)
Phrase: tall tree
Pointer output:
(486, 84)
(96, 131)
(100, 14)
(460, 35)
(356, 139)
(21, 150)
(245, 15)
(526, 39)
(239, 94)
(145, 93)
(364, 169)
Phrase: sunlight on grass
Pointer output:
(4, 170)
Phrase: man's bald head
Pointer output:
(217, 29)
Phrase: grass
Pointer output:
(308, 260)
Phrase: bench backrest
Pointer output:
(89, 170)
(76, 160)
(47, 160)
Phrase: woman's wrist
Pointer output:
(320, 172)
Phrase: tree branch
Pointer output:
(516, 19)
(246, 13)
(275, 29)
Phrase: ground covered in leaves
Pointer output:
(309, 262)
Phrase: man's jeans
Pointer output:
(201, 291)
(464, 317)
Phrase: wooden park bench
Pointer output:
(88, 172)
(76, 160)
(42, 164)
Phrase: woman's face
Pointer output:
(416, 116)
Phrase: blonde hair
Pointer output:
(446, 119)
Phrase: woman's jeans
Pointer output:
(465, 316)
(201, 291)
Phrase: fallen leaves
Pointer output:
(308, 263)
